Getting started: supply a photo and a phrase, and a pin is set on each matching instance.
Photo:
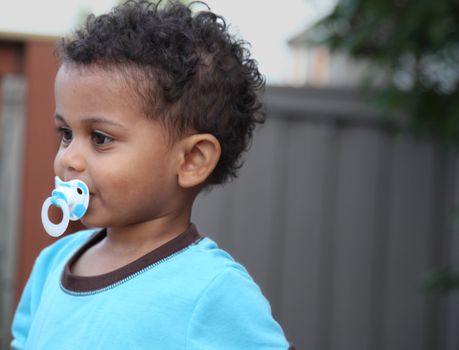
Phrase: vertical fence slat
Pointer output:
(452, 300)
(408, 253)
(300, 307)
(380, 242)
(358, 179)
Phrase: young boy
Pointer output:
(152, 105)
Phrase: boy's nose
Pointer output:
(72, 158)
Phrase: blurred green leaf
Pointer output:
(440, 280)
(415, 45)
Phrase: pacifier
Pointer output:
(72, 197)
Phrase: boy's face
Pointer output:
(108, 142)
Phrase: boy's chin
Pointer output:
(90, 224)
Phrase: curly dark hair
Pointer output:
(190, 73)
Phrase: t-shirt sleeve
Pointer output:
(31, 296)
(27, 305)
(232, 313)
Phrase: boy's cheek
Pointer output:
(57, 165)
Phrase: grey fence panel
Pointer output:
(358, 177)
(451, 302)
(408, 247)
(300, 286)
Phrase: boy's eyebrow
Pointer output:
(59, 117)
(92, 120)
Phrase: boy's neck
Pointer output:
(146, 236)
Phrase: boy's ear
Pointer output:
(199, 157)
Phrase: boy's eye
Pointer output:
(100, 139)
(66, 134)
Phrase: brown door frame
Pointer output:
(33, 57)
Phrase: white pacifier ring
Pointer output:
(72, 197)
(55, 230)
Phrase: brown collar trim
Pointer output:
(91, 284)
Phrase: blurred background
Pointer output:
(345, 211)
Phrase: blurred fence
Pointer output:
(12, 90)
(338, 219)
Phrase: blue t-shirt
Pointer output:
(187, 294)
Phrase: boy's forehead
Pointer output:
(91, 72)
(107, 80)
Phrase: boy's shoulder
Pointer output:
(214, 263)
(207, 252)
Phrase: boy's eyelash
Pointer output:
(61, 130)
(98, 135)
